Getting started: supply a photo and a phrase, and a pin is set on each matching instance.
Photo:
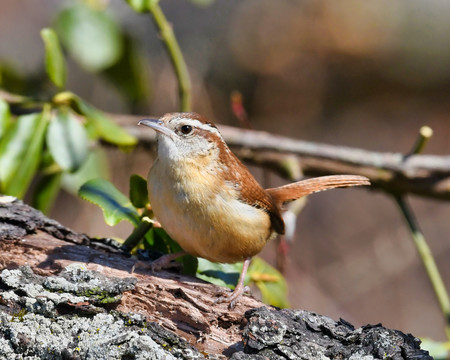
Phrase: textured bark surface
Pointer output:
(300, 334)
(64, 295)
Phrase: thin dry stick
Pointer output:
(425, 133)
(395, 173)
(424, 175)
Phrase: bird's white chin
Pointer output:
(167, 147)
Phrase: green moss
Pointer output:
(19, 315)
(91, 292)
(101, 296)
(108, 300)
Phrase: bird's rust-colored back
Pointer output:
(252, 193)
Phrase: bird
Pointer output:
(208, 201)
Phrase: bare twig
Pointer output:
(396, 173)
(425, 133)
(424, 175)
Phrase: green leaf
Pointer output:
(95, 166)
(219, 274)
(108, 130)
(269, 281)
(154, 242)
(138, 191)
(32, 157)
(91, 36)
(46, 191)
(13, 146)
(149, 239)
(20, 153)
(5, 118)
(67, 140)
(437, 349)
(104, 127)
(115, 205)
(54, 59)
(163, 242)
(190, 265)
(97, 124)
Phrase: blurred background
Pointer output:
(361, 74)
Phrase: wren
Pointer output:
(209, 202)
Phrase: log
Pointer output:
(64, 295)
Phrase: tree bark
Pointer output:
(64, 295)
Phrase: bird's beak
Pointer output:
(158, 126)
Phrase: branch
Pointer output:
(64, 295)
(395, 173)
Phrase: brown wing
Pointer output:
(302, 188)
(251, 192)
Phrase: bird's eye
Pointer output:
(186, 129)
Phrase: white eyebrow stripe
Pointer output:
(200, 125)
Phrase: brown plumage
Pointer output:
(208, 201)
(294, 191)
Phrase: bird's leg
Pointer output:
(238, 290)
(164, 262)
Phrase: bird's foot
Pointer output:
(164, 262)
(232, 297)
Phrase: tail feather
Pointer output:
(302, 188)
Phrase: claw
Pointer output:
(232, 297)
(164, 262)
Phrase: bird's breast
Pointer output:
(204, 213)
